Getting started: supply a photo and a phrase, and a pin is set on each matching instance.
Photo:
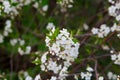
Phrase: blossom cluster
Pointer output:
(114, 9)
(62, 47)
(13, 10)
(115, 57)
(112, 76)
(62, 50)
(21, 43)
(13, 42)
(87, 75)
(26, 76)
(105, 30)
(116, 28)
(102, 32)
(65, 4)
(7, 30)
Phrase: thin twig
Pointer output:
(95, 68)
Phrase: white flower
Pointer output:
(5, 33)
(63, 71)
(114, 27)
(113, 57)
(26, 74)
(28, 78)
(65, 4)
(104, 29)
(44, 57)
(38, 77)
(100, 35)
(28, 49)
(7, 28)
(76, 77)
(105, 47)
(112, 10)
(117, 5)
(83, 75)
(114, 77)
(112, 51)
(118, 18)
(7, 6)
(117, 62)
(100, 78)
(8, 24)
(27, 2)
(21, 52)
(111, 1)
(53, 78)
(110, 74)
(116, 58)
(50, 26)
(118, 77)
(102, 32)
(94, 31)
(55, 48)
(36, 5)
(45, 8)
(89, 69)
(118, 35)
(65, 32)
(52, 65)
(47, 40)
(87, 75)
(22, 42)
(85, 26)
(13, 42)
(42, 67)
(70, 6)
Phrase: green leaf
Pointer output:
(44, 2)
(37, 61)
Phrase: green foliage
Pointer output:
(30, 25)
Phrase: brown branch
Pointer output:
(95, 68)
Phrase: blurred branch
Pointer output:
(95, 68)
